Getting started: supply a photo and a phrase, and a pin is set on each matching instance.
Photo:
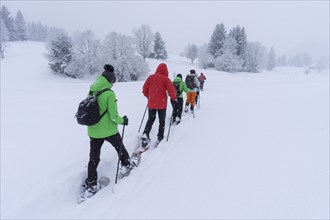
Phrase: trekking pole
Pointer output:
(121, 147)
(169, 129)
(143, 118)
(199, 99)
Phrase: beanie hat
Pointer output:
(192, 71)
(179, 75)
(109, 68)
(109, 73)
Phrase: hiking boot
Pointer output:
(173, 120)
(125, 170)
(90, 190)
(145, 140)
(159, 139)
(186, 108)
(177, 120)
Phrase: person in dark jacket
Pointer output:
(180, 87)
(155, 89)
(106, 129)
(193, 84)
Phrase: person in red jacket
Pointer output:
(156, 88)
(202, 78)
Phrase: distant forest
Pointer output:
(81, 54)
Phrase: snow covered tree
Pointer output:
(239, 35)
(20, 25)
(159, 47)
(300, 60)
(228, 61)
(85, 58)
(255, 57)
(217, 39)
(281, 61)
(9, 23)
(204, 57)
(60, 53)
(119, 51)
(3, 38)
(38, 31)
(143, 39)
(191, 52)
(271, 62)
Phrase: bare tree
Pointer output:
(191, 52)
(143, 39)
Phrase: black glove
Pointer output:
(125, 120)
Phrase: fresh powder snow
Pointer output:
(258, 147)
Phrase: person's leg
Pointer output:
(193, 96)
(161, 116)
(180, 106)
(150, 122)
(196, 98)
(116, 141)
(94, 159)
(187, 102)
(175, 110)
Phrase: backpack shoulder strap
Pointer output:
(101, 91)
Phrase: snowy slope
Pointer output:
(258, 147)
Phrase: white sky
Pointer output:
(290, 26)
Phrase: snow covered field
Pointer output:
(257, 149)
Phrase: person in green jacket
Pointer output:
(180, 87)
(106, 129)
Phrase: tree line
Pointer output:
(232, 52)
(81, 55)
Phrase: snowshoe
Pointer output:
(90, 191)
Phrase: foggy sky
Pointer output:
(289, 26)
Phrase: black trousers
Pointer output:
(151, 120)
(197, 96)
(177, 108)
(94, 155)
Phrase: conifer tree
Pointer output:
(9, 23)
(159, 47)
(60, 53)
(20, 25)
(217, 40)
(271, 62)
(239, 35)
(3, 38)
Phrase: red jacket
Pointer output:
(155, 88)
(202, 78)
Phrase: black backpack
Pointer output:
(88, 110)
(177, 88)
(190, 81)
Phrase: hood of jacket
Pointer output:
(100, 83)
(177, 79)
(162, 69)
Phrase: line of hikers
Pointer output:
(156, 89)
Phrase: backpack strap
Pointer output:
(99, 93)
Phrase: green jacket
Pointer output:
(182, 86)
(108, 125)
